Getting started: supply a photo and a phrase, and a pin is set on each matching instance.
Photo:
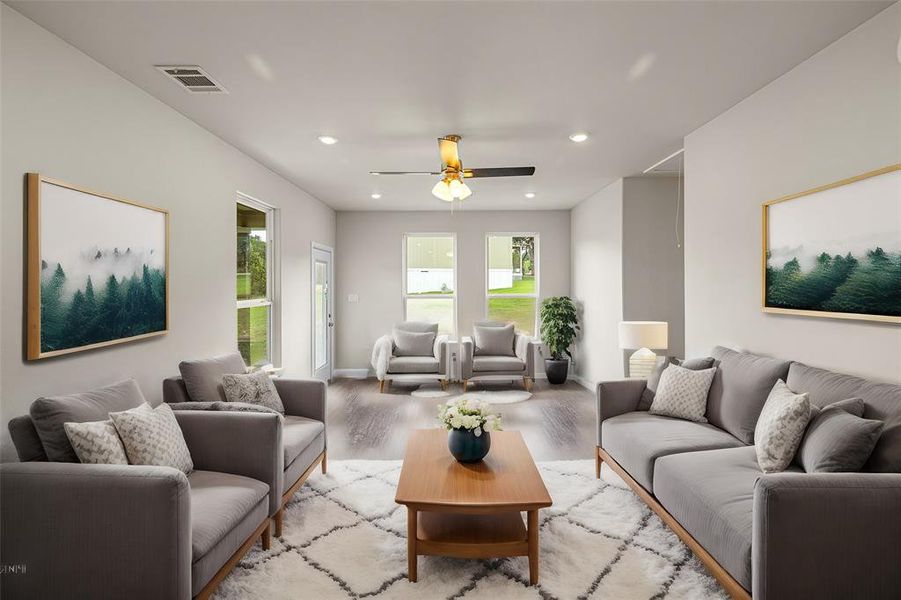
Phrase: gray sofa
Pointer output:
(132, 531)
(789, 535)
(517, 364)
(302, 436)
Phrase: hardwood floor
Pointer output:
(557, 422)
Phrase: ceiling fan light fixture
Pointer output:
(442, 191)
(578, 137)
(464, 192)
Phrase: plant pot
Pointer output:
(466, 447)
(556, 370)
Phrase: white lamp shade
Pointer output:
(643, 334)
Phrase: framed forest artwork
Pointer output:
(97, 269)
(835, 251)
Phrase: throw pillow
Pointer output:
(50, 413)
(682, 393)
(695, 364)
(152, 436)
(493, 341)
(780, 428)
(412, 343)
(253, 388)
(838, 440)
(853, 406)
(203, 378)
(96, 443)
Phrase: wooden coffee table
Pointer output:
(471, 510)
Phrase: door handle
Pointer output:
(331, 324)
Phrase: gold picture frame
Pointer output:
(43, 194)
(767, 303)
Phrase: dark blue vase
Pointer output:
(466, 447)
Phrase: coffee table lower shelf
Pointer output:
(494, 535)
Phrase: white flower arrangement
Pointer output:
(463, 414)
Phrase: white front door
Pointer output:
(322, 304)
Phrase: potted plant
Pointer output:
(468, 424)
(559, 326)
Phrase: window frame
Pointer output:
(405, 296)
(273, 275)
(536, 295)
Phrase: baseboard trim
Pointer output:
(352, 373)
(584, 383)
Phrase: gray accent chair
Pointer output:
(134, 531)
(478, 366)
(302, 435)
(417, 368)
(789, 535)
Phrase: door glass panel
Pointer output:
(432, 310)
(321, 315)
(520, 311)
(253, 334)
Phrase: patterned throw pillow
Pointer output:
(152, 436)
(96, 443)
(682, 393)
(253, 388)
(780, 428)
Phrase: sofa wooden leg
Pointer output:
(266, 538)
(597, 463)
(279, 519)
(324, 462)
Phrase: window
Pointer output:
(512, 294)
(430, 280)
(255, 285)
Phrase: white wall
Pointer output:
(68, 117)
(597, 283)
(368, 263)
(836, 115)
(653, 273)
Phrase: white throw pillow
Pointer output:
(96, 443)
(253, 388)
(780, 428)
(682, 393)
(152, 436)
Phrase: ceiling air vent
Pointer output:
(192, 78)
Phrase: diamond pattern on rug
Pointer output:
(345, 538)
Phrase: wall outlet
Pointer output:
(353, 298)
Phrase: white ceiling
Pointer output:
(514, 79)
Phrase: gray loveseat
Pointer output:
(132, 531)
(790, 535)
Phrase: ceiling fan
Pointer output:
(451, 187)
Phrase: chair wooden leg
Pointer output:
(597, 463)
(465, 383)
(382, 386)
(266, 537)
(279, 521)
(527, 384)
(324, 462)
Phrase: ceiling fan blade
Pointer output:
(404, 173)
(450, 157)
(500, 172)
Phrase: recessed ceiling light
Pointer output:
(328, 140)
(376, 196)
(530, 194)
(576, 137)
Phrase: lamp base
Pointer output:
(642, 363)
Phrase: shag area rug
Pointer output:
(344, 537)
